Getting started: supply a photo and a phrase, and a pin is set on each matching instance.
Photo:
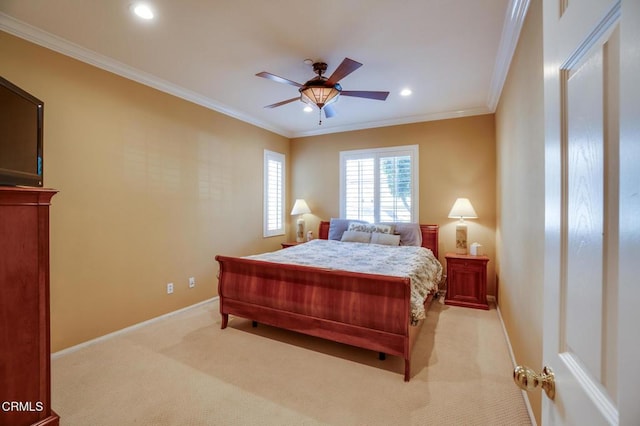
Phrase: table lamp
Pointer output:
(300, 208)
(462, 209)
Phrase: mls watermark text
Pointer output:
(8, 406)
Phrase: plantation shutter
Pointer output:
(273, 193)
(395, 188)
(379, 185)
(360, 189)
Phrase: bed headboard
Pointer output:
(429, 235)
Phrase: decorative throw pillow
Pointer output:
(368, 227)
(385, 239)
(338, 226)
(356, 237)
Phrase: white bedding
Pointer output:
(417, 263)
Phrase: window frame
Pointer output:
(281, 159)
(376, 154)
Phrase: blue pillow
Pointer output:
(410, 233)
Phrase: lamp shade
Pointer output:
(300, 207)
(462, 209)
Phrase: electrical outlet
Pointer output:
(192, 282)
(169, 288)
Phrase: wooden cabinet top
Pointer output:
(24, 195)
(481, 258)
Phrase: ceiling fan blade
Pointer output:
(277, 79)
(329, 111)
(380, 96)
(277, 104)
(344, 69)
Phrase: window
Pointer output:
(273, 193)
(380, 185)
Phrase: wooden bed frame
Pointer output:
(365, 310)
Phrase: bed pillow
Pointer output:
(410, 233)
(370, 227)
(385, 239)
(338, 226)
(356, 237)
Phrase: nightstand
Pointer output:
(287, 244)
(467, 280)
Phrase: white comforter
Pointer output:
(417, 263)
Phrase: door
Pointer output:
(591, 193)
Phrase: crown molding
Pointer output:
(513, 22)
(42, 38)
(395, 122)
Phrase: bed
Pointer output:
(368, 310)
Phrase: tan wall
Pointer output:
(457, 159)
(520, 231)
(151, 188)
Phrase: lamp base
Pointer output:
(461, 238)
(300, 231)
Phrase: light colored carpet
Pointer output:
(184, 370)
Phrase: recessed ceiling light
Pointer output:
(406, 92)
(307, 109)
(142, 10)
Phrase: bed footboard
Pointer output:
(364, 310)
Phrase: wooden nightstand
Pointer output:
(467, 280)
(290, 244)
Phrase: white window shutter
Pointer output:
(395, 188)
(360, 189)
(380, 185)
(274, 197)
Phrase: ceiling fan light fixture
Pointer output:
(315, 92)
(321, 91)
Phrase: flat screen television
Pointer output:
(21, 120)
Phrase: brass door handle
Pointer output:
(528, 380)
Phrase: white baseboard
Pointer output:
(127, 329)
(513, 363)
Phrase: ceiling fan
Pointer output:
(322, 91)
